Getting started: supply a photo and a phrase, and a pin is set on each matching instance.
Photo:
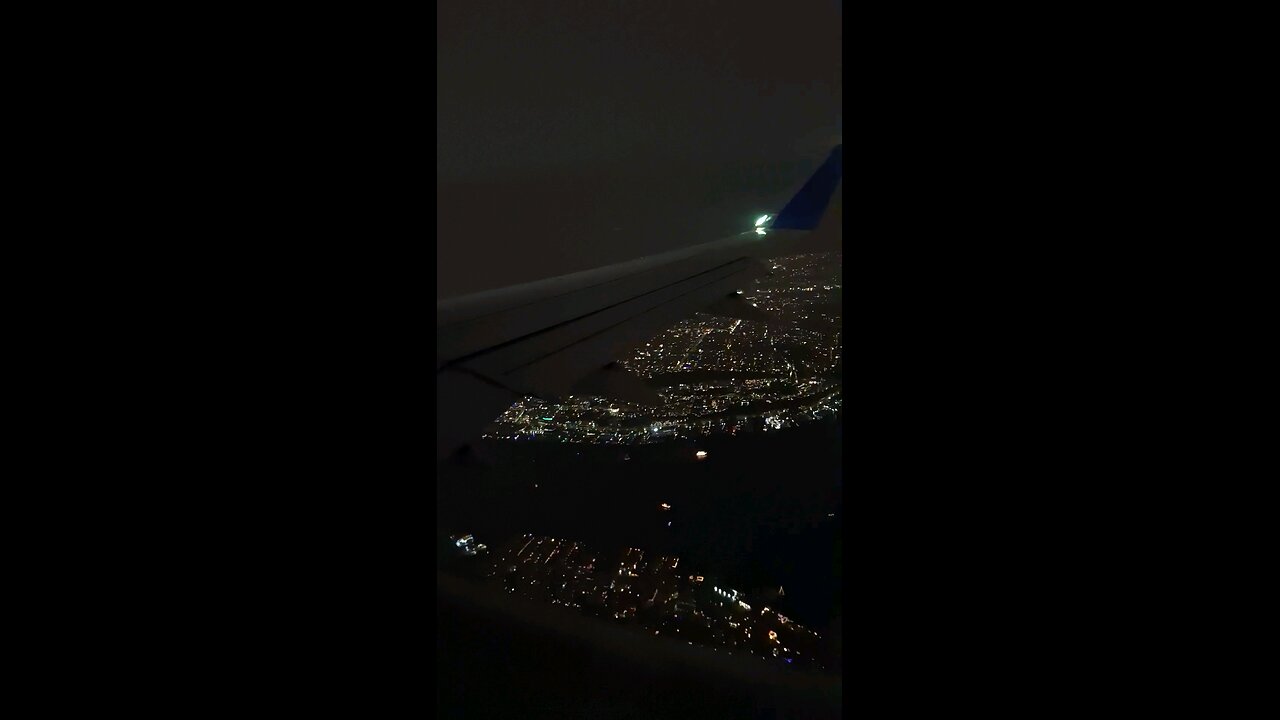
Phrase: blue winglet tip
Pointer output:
(806, 209)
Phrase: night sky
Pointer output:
(576, 134)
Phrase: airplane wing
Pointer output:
(561, 336)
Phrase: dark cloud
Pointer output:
(574, 134)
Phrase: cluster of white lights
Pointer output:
(731, 594)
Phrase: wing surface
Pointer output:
(553, 336)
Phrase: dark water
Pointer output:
(754, 514)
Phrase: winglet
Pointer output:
(809, 205)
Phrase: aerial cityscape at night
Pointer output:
(717, 375)
(649, 593)
(639, 360)
(663, 518)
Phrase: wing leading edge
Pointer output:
(554, 337)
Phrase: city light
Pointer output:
(701, 454)
(789, 367)
(762, 220)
